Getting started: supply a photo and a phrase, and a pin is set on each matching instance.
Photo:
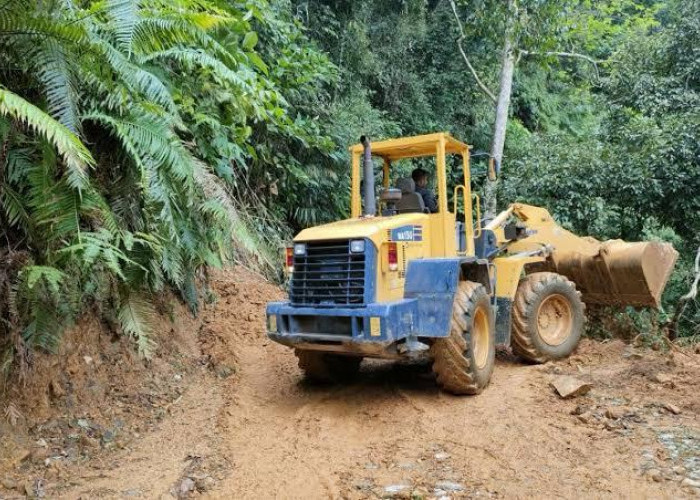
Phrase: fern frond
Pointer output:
(55, 207)
(157, 33)
(138, 319)
(195, 57)
(19, 21)
(124, 15)
(52, 276)
(13, 206)
(149, 138)
(205, 20)
(54, 72)
(172, 264)
(19, 164)
(243, 237)
(100, 246)
(76, 156)
(96, 207)
(45, 328)
(189, 6)
(136, 77)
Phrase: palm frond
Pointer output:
(76, 156)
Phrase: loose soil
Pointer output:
(222, 412)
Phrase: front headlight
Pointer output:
(357, 246)
(300, 249)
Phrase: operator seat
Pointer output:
(410, 200)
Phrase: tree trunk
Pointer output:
(502, 109)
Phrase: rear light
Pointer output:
(289, 258)
(392, 257)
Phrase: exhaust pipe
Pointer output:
(370, 205)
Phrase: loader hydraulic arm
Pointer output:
(611, 272)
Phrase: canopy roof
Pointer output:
(413, 147)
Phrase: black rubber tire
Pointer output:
(532, 291)
(454, 363)
(326, 367)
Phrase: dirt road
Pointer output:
(261, 432)
(393, 431)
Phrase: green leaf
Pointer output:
(258, 62)
(250, 40)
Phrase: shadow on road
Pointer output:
(379, 378)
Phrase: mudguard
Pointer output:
(433, 283)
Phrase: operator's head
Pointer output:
(420, 177)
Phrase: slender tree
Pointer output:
(521, 29)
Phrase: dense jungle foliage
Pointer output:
(145, 140)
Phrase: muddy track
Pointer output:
(262, 432)
(393, 430)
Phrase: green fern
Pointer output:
(54, 70)
(15, 21)
(13, 207)
(52, 276)
(194, 57)
(124, 15)
(137, 78)
(138, 319)
(76, 156)
(170, 98)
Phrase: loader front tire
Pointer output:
(323, 367)
(463, 362)
(548, 317)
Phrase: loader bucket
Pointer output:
(619, 273)
(612, 272)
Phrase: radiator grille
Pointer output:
(328, 275)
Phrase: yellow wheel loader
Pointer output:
(396, 281)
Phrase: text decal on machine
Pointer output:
(407, 233)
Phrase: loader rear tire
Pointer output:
(326, 367)
(548, 317)
(463, 362)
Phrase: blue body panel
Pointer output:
(424, 312)
(433, 284)
(397, 320)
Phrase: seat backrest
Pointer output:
(410, 200)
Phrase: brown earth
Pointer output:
(221, 412)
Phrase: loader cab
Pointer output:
(397, 193)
